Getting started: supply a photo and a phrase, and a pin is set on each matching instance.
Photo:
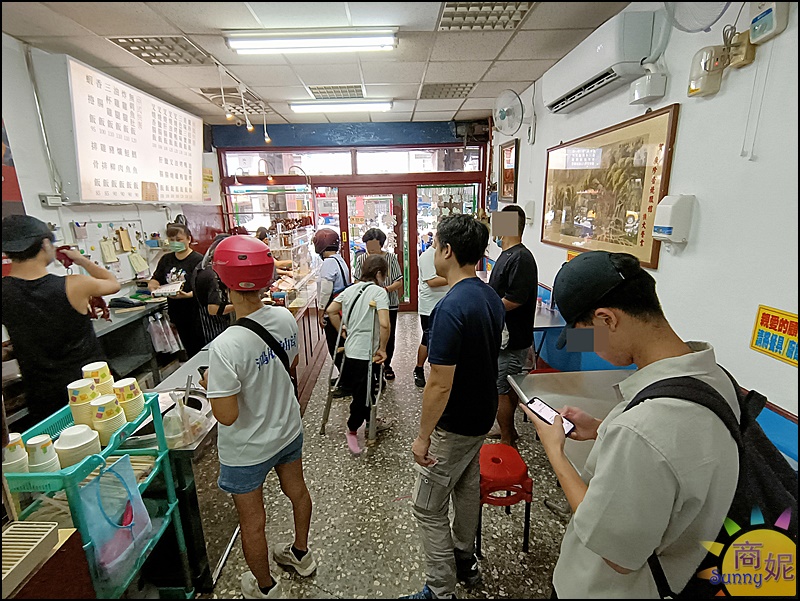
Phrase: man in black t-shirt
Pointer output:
(515, 278)
(177, 266)
(458, 407)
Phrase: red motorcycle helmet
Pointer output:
(326, 239)
(244, 263)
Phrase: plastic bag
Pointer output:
(116, 518)
(172, 336)
(182, 424)
(160, 343)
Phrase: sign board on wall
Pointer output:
(775, 334)
(114, 143)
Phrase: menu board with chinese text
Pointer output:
(128, 142)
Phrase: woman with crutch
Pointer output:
(362, 348)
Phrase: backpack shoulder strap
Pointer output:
(696, 391)
(355, 300)
(272, 343)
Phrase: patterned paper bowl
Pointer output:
(133, 408)
(15, 449)
(127, 389)
(98, 371)
(105, 408)
(40, 449)
(82, 391)
(105, 387)
(82, 413)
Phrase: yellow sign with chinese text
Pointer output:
(775, 334)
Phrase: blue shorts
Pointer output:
(240, 480)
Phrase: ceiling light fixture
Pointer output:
(244, 109)
(293, 41)
(267, 139)
(369, 106)
(225, 107)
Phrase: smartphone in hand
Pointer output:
(546, 413)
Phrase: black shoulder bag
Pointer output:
(276, 347)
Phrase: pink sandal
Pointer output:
(352, 443)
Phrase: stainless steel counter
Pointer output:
(592, 391)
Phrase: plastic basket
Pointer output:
(73, 475)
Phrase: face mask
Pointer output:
(177, 246)
(499, 242)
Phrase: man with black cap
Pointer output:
(661, 475)
(47, 316)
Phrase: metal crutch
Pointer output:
(331, 387)
(373, 403)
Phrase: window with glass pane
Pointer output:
(418, 160)
(278, 163)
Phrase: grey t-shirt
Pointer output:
(661, 477)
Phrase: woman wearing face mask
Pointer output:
(177, 266)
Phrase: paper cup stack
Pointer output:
(81, 394)
(130, 397)
(16, 457)
(75, 443)
(107, 417)
(101, 374)
(42, 455)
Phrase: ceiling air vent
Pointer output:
(233, 99)
(483, 16)
(163, 50)
(432, 91)
(338, 91)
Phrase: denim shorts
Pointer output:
(240, 480)
(509, 363)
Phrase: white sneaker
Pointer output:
(283, 555)
(250, 588)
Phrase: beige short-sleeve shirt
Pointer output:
(661, 477)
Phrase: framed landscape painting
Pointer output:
(602, 190)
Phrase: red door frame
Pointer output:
(410, 190)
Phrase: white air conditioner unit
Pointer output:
(609, 58)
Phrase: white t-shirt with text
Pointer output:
(240, 363)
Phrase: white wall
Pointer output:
(30, 158)
(743, 246)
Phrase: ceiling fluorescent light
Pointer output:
(341, 107)
(322, 40)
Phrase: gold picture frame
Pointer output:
(601, 190)
(509, 171)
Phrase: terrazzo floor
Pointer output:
(363, 532)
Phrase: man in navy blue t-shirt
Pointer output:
(459, 405)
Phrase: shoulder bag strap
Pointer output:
(341, 270)
(346, 319)
(257, 328)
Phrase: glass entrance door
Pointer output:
(386, 208)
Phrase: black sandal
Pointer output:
(388, 373)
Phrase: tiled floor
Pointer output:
(363, 532)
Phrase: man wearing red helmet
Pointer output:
(253, 398)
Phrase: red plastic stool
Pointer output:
(503, 469)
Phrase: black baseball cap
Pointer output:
(584, 280)
(20, 232)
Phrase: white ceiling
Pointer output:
(493, 60)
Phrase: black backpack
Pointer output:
(766, 480)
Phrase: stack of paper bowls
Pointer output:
(101, 374)
(15, 458)
(75, 443)
(108, 417)
(42, 455)
(130, 397)
(81, 394)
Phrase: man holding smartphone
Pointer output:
(459, 405)
(660, 476)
